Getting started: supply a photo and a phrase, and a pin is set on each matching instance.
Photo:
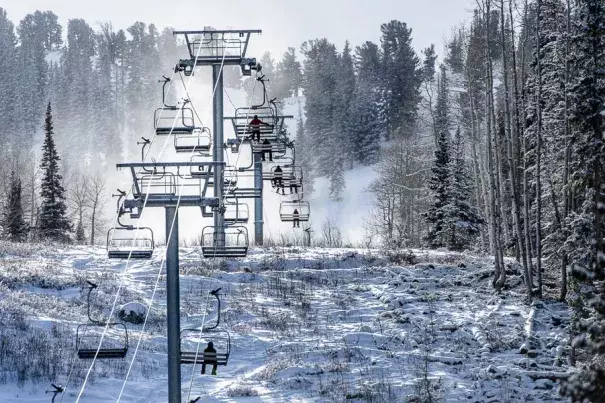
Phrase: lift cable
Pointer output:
(164, 257)
(70, 373)
(121, 286)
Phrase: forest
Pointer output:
(497, 146)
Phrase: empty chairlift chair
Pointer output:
(130, 242)
(230, 242)
(174, 120)
(90, 342)
(198, 141)
(236, 213)
(155, 184)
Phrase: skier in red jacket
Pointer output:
(254, 127)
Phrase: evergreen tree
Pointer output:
(401, 79)
(8, 90)
(52, 220)
(464, 218)
(31, 64)
(14, 223)
(304, 156)
(366, 127)
(320, 84)
(290, 74)
(342, 120)
(585, 244)
(440, 183)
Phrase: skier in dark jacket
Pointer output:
(278, 181)
(266, 149)
(296, 219)
(209, 358)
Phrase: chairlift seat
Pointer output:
(87, 346)
(103, 353)
(133, 242)
(189, 148)
(161, 131)
(125, 254)
(191, 357)
(224, 251)
(274, 147)
(246, 193)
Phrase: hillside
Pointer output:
(323, 325)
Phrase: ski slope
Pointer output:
(312, 325)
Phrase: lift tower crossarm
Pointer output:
(228, 47)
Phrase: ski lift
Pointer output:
(236, 213)
(287, 171)
(219, 338)
(91, 344)
(229, 242)
(200, 171)
(200, 140)
(287, 210)
(154, 183)
(127, 241)
(174, 120)
(244, 115)
(230, 177)
(275, 147)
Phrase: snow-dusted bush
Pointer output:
(242, 390)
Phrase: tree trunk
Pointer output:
(511, 162)
(538, 172)
(526, 209)
(500, 275)
(566, 192)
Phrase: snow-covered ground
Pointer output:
(305, 325)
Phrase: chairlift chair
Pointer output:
(220, 338)
(155, 184)
(286, 210)
(233, 245)
(236, 213)
(125, 242)
(222, 343)
(200, 140)
(174, 120)
(89, 336)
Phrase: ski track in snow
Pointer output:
(319, 325)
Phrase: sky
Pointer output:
(284, 22)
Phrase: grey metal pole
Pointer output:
(258, 202)
(218, 152)
(173, 308)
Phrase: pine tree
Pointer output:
(440, 183)
(342, 119)
(320, 84)
(587, 222)
(401, 79)
(366, 128)
(52, 221)
(304, 156)
(10, 83)
(464, 217)
(14, 223)
(290, 73)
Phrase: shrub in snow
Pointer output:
(241, 391)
